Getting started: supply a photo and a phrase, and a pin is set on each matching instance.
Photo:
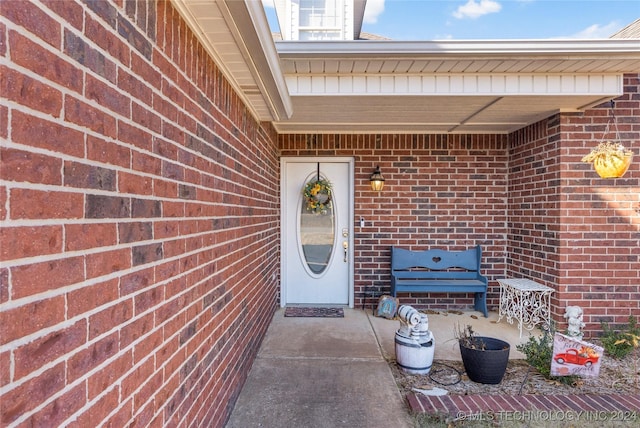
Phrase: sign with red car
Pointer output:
(575, 357)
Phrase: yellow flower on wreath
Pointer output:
(318, 196)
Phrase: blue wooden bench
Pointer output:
(439, 271)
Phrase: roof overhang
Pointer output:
(387, 86)
(236, 34)
(447, 86)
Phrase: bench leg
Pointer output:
(480, 304)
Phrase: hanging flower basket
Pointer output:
(610, 159)
(317, 196)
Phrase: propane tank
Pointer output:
(415, 344)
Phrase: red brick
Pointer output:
(100, 409)
(4, 121)
(137, 88)
(105, 263)
(30, 394)
(173, 209)
(83, 114)
(70, 12)
(34, 20)
(107, 96)
(88, 298)
(102, 379)
(30, 318)
(135, 329)
(147, 300)
(166, 229)
(60, 409)
(135, 184)
(136, 281)
(5, 368)
(37, 132)
(108, 41)
(91, 357)
(109, 318)
(173, 248)
(136, 378)
(89, 235)
(165, 108)
(165, 189)
(3, 203)
(19, 242)
(34, 57)
(3, 40)
(146, 163)
(29, 92)
(123, 416)
(23, 166)
(108, 152)
(145, 71)
(144, 415)
(146, 118)
(36, 354)
(45, 276)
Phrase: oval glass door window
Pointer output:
(316, 234)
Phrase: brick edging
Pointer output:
(454, 405)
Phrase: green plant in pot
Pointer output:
(485, 359)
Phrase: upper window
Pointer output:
(319, 14)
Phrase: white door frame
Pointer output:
(351, 208)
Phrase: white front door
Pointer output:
(317, 256)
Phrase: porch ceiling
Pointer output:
(405, 87)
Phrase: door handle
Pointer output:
(345, 245)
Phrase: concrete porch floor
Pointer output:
(330, 372)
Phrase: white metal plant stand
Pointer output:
(525, 300)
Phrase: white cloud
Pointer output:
(268, 3)
(372, 10)
(597, 31)
(473, 9)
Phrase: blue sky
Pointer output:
(496, 19)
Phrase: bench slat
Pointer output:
(436, 259)
(439, 271)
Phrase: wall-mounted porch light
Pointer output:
(376, 180)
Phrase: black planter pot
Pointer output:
(489, 365)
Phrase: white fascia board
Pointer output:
(456, 84)
(453, 48)
(260, 53)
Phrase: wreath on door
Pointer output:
(318, 196)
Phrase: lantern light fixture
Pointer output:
(376, 180)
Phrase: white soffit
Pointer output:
(236, 35)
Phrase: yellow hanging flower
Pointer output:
(609, 159)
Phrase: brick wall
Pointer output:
(446, 191)
(570, 229)
(534, 205)
(138, 267)
(600, 231)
